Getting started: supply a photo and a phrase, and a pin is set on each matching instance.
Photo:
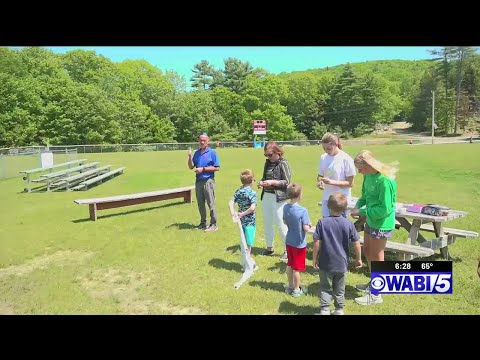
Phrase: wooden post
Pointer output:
(188, 196)
(93, 211)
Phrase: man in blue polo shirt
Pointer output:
(206, 163)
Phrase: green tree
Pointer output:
(421, 113)
(10, 63)
(203, 75)
(85, 66)
(306, 104)
(235, 74)
(461, 55)
(229, 106)
(179, 83)
(19, 110)
(262, 91)
(280, 126)
(352, 101)
(193, 114)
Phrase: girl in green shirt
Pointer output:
(377, 204)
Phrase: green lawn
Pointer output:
(147, 259)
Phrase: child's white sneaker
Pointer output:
(324, 311)
(338, 312)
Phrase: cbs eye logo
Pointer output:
(378, 283)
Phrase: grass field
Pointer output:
(147, 259)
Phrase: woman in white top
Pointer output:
(335, 171)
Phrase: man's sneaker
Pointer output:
(338, 312)
(255, 267)
(324, 311)
(288, 290)
(211, 228)
(284, 257)
(200, 227)
(369, 299)
(297, 293)
(267, 252)
(363, 287)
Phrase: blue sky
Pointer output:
(275, 59)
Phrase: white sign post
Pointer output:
(47, 159)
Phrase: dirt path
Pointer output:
(403, 129)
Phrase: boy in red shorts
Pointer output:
(298, 223)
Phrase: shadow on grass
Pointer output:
(309, 252)
(363, 270)
(258, 251)
(222, 264)
(268, 285)
(132, 212)
(439, 257)
(236, 248)
(435, 257)
(351, 292)
(279, 266)
(182, 226)
(233, 248)
(36, 190)
(287, 307)
(311, 290)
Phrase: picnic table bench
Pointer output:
(416, 244)
(451, 232)
(55, 176)
(133, 199)
(28, 173)
(406, 251)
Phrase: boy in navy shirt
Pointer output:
(332, 239)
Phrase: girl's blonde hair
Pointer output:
(366, 157)
(332, 138)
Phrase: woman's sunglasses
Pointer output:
(269, 155)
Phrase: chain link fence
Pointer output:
(13, 160)
(106, 148)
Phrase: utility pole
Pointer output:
(433, 114)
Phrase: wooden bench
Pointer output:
(406, 251)
(134, 199)
(32, 171)
(84, 184)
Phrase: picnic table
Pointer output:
(414, 223)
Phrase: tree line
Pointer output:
(84, 98)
